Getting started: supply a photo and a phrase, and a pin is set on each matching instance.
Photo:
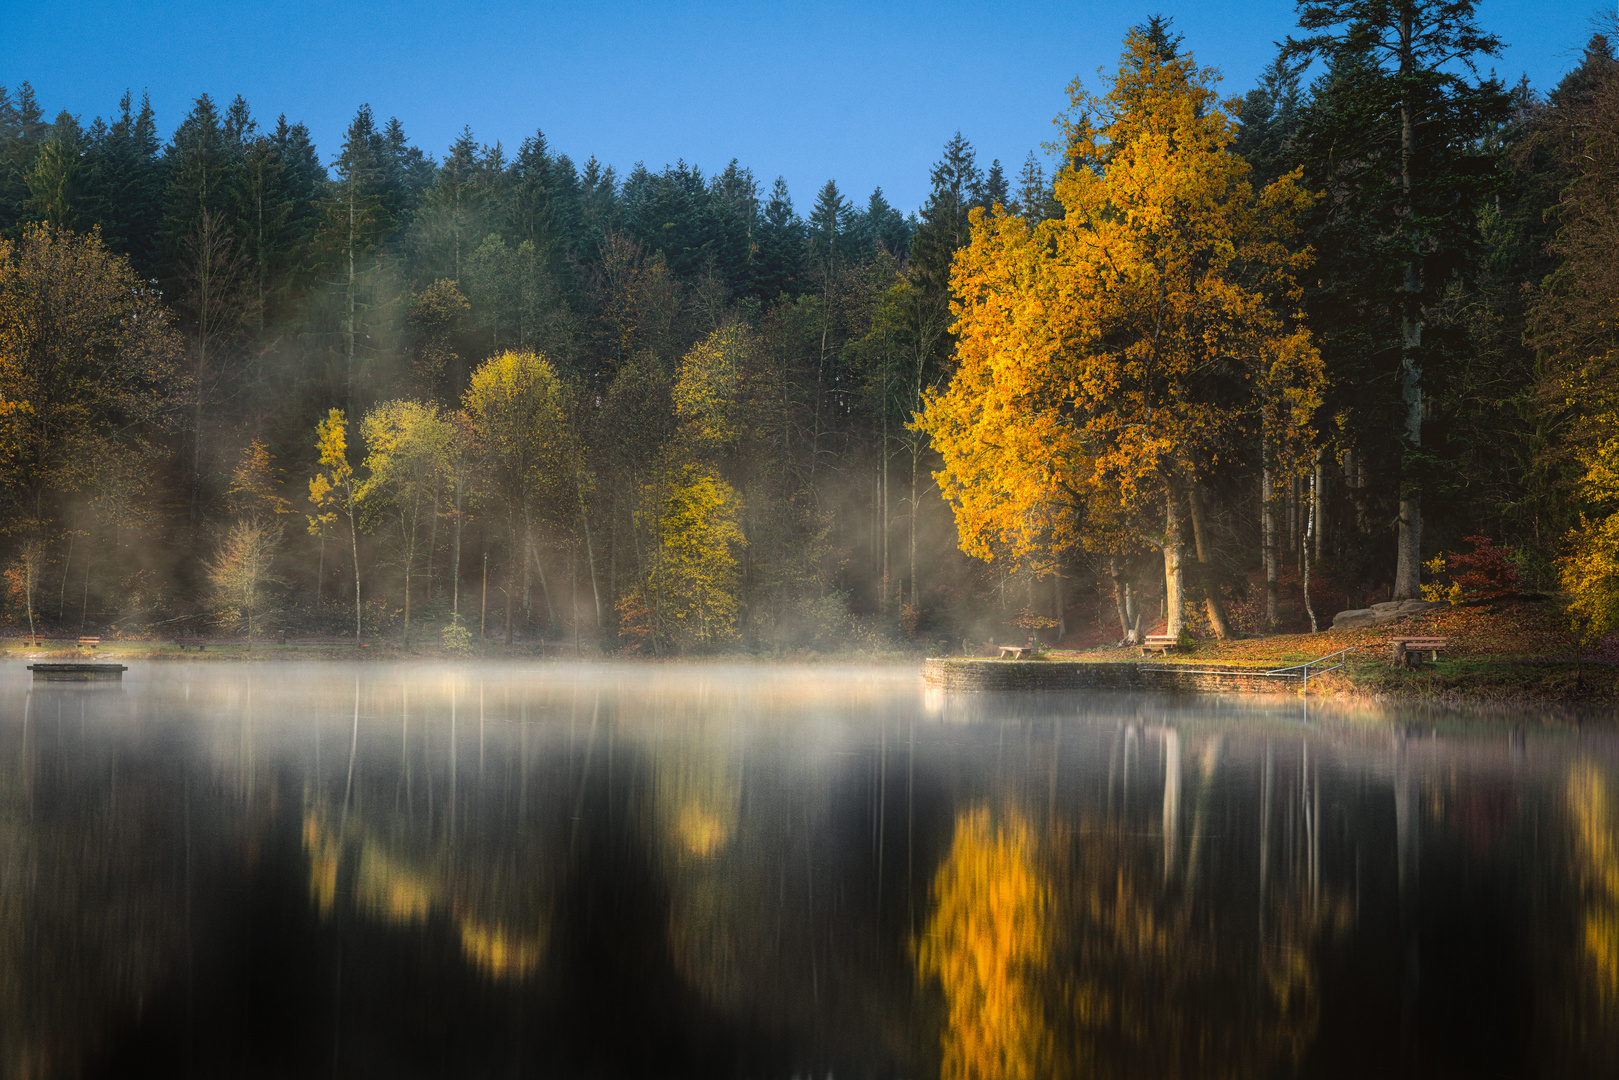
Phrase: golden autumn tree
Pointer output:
(514, 405)
(335, 489)
(691, 591)
(1111, 358)
(408, 459)
(89, 372)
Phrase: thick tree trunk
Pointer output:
(1267, 517)
(1211, 589)
(1174, 615)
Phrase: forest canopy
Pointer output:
(1220, 365)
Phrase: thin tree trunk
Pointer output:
(354, 537)
(1304, 559)
(1267, 517)
(348, 347)
(1318, 507)
(1056, 602)
(455, 556)
(432, 545)
(914, 453)
(1211, 589)
(1408, 565)
(885, 608)
(61, 595)
(545, 589)
(1120, 596)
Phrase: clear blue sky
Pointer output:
(865, 93)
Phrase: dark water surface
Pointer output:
(319, 870)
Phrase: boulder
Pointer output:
(1378, 614)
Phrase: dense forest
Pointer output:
(1222, 365)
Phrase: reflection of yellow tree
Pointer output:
(1597, 871)
(411, 889)
(698, 800)
(1064, 953)
(987, 942)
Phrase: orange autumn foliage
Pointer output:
(1139, 342)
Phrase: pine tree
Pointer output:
(779, 253)
(1409, 124)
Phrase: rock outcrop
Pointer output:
(1377, 614)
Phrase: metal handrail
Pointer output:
(1307, 665)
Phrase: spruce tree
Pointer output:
(778, 263)
(1409, 125)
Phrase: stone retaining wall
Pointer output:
(1067, 675)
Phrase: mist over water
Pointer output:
(378, 870)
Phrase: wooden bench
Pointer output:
(1407, 651)
(1158, 643)
(1017, 652)
(89, 642)
(182, 642)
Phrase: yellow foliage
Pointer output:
(333, 486)
(252, 491)
(705, 392)
(1590, 572)
(514, 403)
(400, 893)
(987, 942)
(241, 573)
(693, 584)
(1132, 341)
(1596, 842)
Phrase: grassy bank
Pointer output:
(1500, 651)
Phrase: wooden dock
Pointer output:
(76, 672)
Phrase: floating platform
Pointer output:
(999, 675)
(76, 672)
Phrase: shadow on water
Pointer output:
(706, 871)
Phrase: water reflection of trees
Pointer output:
(497, 904)
(1095, 947)
(93, 913)
(1581, 1024)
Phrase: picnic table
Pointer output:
(1158, 643)
(1017, 652)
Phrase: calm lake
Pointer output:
(465, 871)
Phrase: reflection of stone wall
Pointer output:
(1059, 675)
